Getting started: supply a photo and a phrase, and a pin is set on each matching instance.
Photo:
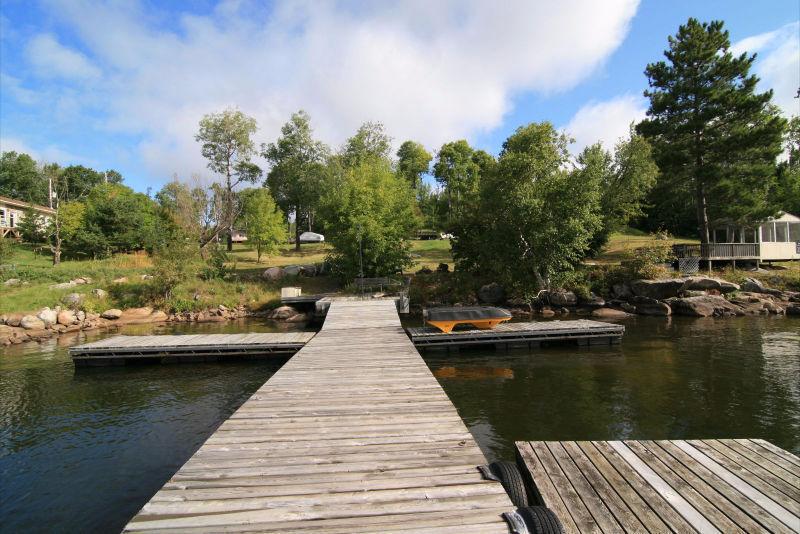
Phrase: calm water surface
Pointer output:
(83, 451)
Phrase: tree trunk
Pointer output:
(230, 240)
(297, 229)
(702, 212)
(57, 251)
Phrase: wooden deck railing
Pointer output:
(711, 251)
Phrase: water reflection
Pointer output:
(669, 379)
(82, 451)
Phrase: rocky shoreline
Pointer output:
(18, 328)
(695, 296)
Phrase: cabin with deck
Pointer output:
(12, 211)
(776, 239)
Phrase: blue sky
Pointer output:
(123, 84)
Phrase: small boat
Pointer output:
(483, 317)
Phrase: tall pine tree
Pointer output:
(711, 133)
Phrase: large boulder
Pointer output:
(292, 270)
(793, 309)
(99, 293)
(609, 313)
(48, 317)
(111, 314)
(63, 285)
(658, 289)
(273, 273)
(283, 313)
(309, 270)
(67, 317)
(298, 318)
(561, 298)
(12, 319)
(136, 315)
(704, 283)
(650, 306)
(30, 322)
(621, 291)
(753, 285)
(707, 306)
(72, 299)
(12, 282)
(492, 293)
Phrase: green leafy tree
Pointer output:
(412, 162)
(227, 144)
(711, 133)
(298, 170)
(33, 227)
(78, 180)
(458, 173)
(263, 221)
(625, 179)
(535, 219)
(369, 142)
(786, 193)
(370, 213)
(175, 260)
(20, 179)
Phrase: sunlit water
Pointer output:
(82, 451)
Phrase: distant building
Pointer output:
(12, 212)
(311, 237)
(776, 239)
(238, 236)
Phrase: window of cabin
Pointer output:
(720, 235)
(768, 233)
(749, 235)
(781, 232)
(794, 231)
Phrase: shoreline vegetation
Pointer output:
(41, 301)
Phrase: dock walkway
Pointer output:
(719, 486)
(194, 347)
(353, 434)
(522, 334)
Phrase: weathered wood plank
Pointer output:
(353, 429)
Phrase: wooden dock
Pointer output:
(724, 486)
(353, 434)
(118, 350)
(524, 335)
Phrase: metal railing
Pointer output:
(711, 251)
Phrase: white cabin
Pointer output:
(776, 239)
(12, 212)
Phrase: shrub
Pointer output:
(215, 267)
(648, 262)
(7, 250)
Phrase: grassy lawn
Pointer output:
(622, 244)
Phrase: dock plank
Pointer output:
(719, 485)
(352, 434)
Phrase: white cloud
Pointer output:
(45, 154)
(52, 59)
(431, 71)
(606, 121)
(777, 63)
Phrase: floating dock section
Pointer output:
(719, 486)
(352, 434)
(523, 335)
(119, 350)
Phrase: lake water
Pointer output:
(83, 451)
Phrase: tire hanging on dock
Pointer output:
(512, 481)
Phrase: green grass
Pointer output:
(623, 243)
(430, 253)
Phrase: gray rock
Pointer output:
(706, 306)
(29, 322)
(12, 282)
(283, 312)
(292, 270)
(793, 309)
(273, 273)
(658, 289)
(650, 306)
(492, 293)
(298, 318)
(593, 302)
(309, 270)
(560, 297)
(72, 299)
(48, 317)
(80, 281)
(63, 285)
(147, 277)
(121, 280)
(609, 313)
(99, 293)
(621, 291)
(753, 285)
(112, 314)
(704, 283)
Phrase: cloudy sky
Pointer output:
(123, 84)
